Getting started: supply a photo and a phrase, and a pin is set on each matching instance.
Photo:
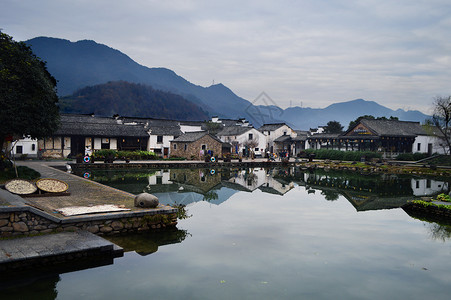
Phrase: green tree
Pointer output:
(333, 127)
(354, 123)
(28, 97)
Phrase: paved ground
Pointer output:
(50, 245)
(83, 192)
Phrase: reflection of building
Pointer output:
(370, 192)
(263, 179)
(428, 187)
(196, 180)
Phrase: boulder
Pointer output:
(146, 200)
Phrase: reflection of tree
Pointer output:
(330, 195)
(210, 195)
(439, 232)
(148, 242)
(182, 212)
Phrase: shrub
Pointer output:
(342, 155)
(131, 155)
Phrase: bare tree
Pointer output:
(442, 118)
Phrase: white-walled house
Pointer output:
(242, 137)
(428, 187)
(26, 147)
(430, 142)
(276, 131)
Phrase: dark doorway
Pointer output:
(77, 145)
(429, 149)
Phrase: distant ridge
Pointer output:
(131, 99)
(86, 63)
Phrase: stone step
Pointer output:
(28, 252)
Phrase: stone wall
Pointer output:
(28, 223)
(193, 149)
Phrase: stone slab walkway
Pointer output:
(83, 192)
(29, 249)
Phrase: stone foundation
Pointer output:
(28, 223)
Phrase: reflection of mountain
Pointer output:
(148, 242)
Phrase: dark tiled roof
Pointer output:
(233, 130)
(271, 127)
(86, 125)
(393, 127)
(189, 137)
(325, 136)
(283, 138)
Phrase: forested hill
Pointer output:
(131, 99)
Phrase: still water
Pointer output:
(269, 234)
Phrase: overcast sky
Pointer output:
(310, 53)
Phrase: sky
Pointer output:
(300, 53)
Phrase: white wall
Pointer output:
(428, 187)
(152, 144)
(270, 137)
(424, 141)
(190, 128)
(244, 138)
(27, 147)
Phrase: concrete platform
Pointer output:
(51, 249)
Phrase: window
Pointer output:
(175, 146)
(159, 139)
(204, 147)
(256, 149)
(33, 147)
(284, 133)
(19, 149)
(251, 136)
(419, 147)
(428, 183)
(417, 185)
(186, 147)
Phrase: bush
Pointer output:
(130, 155)
(342, 155)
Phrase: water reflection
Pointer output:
(148, 242)
(184, 186)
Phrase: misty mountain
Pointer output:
(86, 63)
(344, 112)
(131, 99)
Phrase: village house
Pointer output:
(26, 147)
(390, 137)
(275, 131)
(430, 141)
(81, 134)
(245, 140)
(195, 145)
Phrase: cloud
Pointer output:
(315, 52)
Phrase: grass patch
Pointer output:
(23, 172)
(430, 204)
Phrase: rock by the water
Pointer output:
(146, 200)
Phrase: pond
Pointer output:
(268, 234)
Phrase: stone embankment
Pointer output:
(23, 223)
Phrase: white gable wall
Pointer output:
(423, 142)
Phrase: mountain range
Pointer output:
(77, 65)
